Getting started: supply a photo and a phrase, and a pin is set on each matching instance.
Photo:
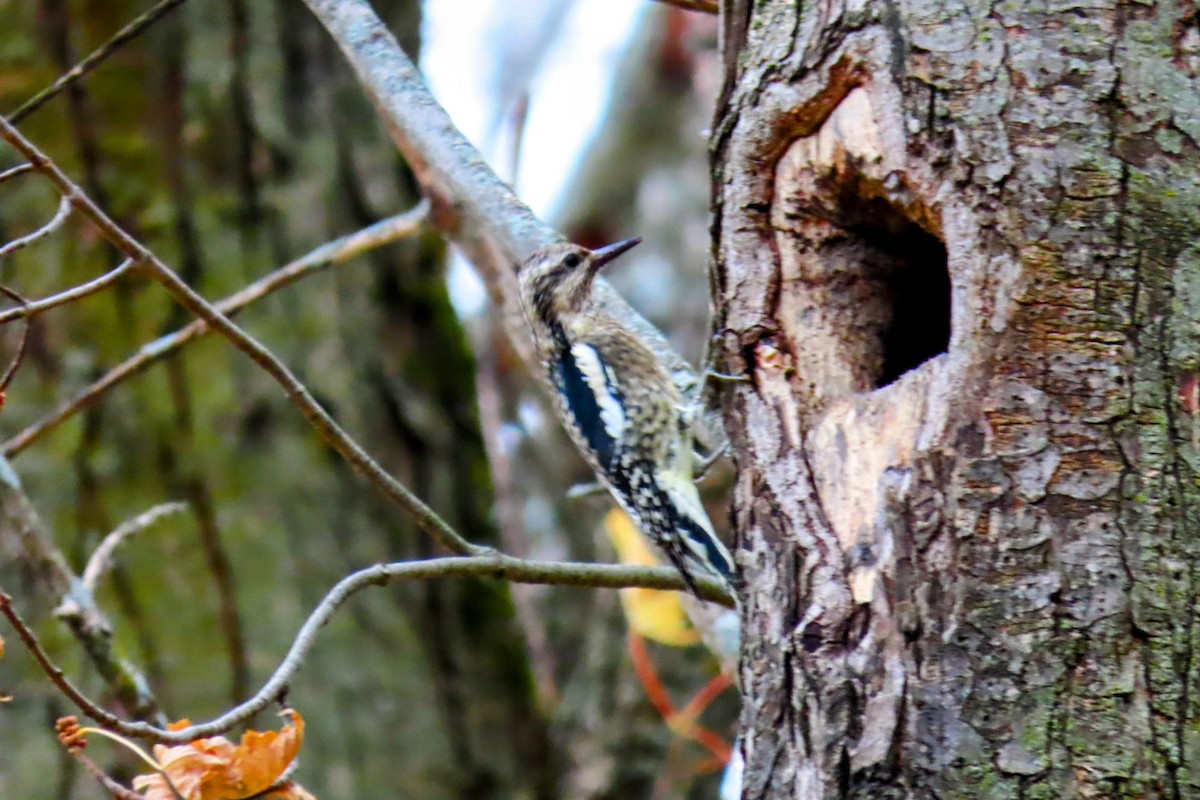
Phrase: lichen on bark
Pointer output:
(978, 581)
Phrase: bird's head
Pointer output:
(557, 280)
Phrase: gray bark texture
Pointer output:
(966, 510)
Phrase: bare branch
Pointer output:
(102, 557)
(317, 416)
(112, 786)
(31, 310)
(50, 567)
(77, 605)
(342, 249)
(19, 356)
(60, 216)
(52, 670)
(20, 169)
(296, 392)
(607, 576)
(703, 6)
(471, 204)
(95, 58)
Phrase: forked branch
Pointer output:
(296, 392)
(337, 251)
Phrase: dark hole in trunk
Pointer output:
(916, 285)
(907, 266)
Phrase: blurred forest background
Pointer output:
(232, 138)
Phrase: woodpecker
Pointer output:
(620, 406)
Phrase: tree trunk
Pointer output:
(955, 256)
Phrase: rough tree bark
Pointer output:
(955, 256)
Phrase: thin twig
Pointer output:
(317, 416)
(297, 393)
(15, 364)
(342, 249)
(102, 557)
(513, 536)
(139, 752)
(704, 6)
(60, 216)
(76, 605)
(94, 59)
(74, 737)
(20, 169)
(52, 670)
(608, 576)
(35, 308)
(107, 781)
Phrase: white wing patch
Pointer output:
(599, 377)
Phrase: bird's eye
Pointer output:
(572, 260)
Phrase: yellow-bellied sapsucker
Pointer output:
(620, 405)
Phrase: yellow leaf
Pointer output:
(653, 613)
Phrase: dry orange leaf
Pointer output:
(216, 769)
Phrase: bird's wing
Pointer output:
(693, 526)
(593, 398)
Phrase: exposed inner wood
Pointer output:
(861, 266)
(977, 578)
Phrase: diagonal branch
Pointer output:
(94, 59)
(296, 392)
(22, 344)
(335, 252)
(472, 206)
(104, 779)
(317, 416)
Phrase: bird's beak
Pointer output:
(606, 254)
